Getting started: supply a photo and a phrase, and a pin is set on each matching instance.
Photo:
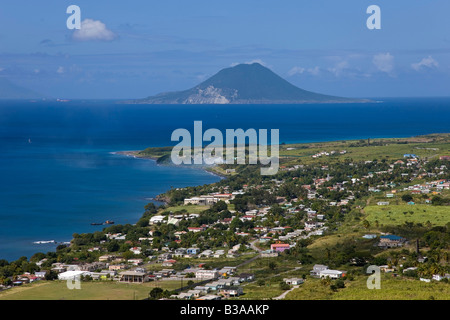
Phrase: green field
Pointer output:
(254, 292)
(188, 208)
(399, 214)
(391, 289)
(107, 290)
(429, 146)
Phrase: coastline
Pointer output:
(162, 198)
(135, 154)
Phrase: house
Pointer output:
(115, 267)
(136, 250)
(195, 293)
(279, 247)
(136, 262)
(206, 274)
(333, 274)
(196, 229)
(369, 236)
(219, 253)
(133, 277)
(383, 203)
(168, 263)
(106, 258)
(192, 250)
(180, 252)
(231, 291)
(156, 219)
(386, 268)
(207, 253)
(40, 274)
(391, 241)
(212, 286)
(183, 295)
(309, 225)
(269, 254)
(195, 200)
(174, 221)
(317, 269)
(228, 270)
(203, 289)
(210, 297)
(438, 277)
(72, 275)
(246, 277)
(293, 281)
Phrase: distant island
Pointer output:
(9, 90)
(244, 84)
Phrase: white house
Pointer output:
(206, 274)
(293, 281)
(72, 275)
(156, 219)
(333, 274)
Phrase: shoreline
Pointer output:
(134, 153)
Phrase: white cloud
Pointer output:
(93, 30)
(257, 61)
(427, 62)
(296, 70)
(314, 71)
(299, 70)
(384, 62)
(339, 68)
(60, 70)
(234, 64)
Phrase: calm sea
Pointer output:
(59, 172)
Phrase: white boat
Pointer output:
(44, 242)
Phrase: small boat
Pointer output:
(44, 242)
(109, 222)
(96, 224)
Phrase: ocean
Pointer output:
(59, 170)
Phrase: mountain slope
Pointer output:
(8, 90)
(244, 84)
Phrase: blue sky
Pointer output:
(137, 48)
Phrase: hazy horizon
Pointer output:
(135, 50)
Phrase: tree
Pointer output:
(340, 283)
(407, 197)
(261, 282)
(235, 224)
(51, 275)
(284, 286)
(219, 206)
(156, 293)
(272, 265)
(366, 224)
(113, 246)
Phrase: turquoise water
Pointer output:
(59, 172)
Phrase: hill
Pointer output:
(9, 90)
(244, 84)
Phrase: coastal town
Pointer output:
(314, 224)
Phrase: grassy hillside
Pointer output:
(399, 214)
